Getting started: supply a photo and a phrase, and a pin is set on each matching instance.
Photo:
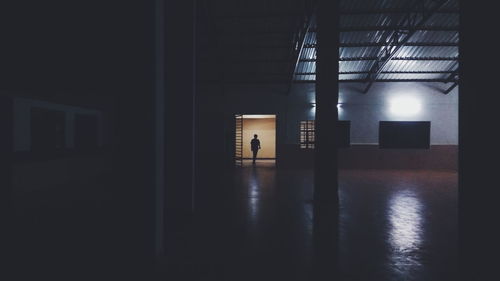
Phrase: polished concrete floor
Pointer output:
(394, 225)
(255, 224)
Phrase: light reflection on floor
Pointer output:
(395, 225)
(405, 216)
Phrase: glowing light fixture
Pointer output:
(313, 104)
(405, 106)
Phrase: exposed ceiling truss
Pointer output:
(400, 35)
(380, 41)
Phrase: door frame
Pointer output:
(278, 127)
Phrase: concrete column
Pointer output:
(6, 158)
(179, 109)
(479, 141)
(160, 127)
(6, 150)
(326, 200)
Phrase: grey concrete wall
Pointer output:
(363, 110)
(22, 122)
(366, 110)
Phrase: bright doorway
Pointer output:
(248, 125)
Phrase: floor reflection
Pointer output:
(253, 196)
(394, 225)
(406, 231)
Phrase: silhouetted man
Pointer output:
(255, 143)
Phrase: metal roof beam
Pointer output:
(400, 37)
(402, 58)
(344, 59)
(343, 73)
(343, 45)
(237, 33)
(392, 27)
(392, 11)
(383, 72)
(285, 82)
(380, 44)
(299, 45)
(379, 80)
(447, 91)
(453, 77)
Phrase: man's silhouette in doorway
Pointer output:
(255, 143)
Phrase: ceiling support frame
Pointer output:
(299, 45)
(408, 26)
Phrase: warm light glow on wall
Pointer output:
(405, 106)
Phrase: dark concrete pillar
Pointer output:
(478, 143)
(325, 178)
(6, 152)
(133, 82)
(6, 148)
(179, 111)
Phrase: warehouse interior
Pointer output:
(126, 134)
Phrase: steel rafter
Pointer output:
(347, 59)
(381, 44)
(392, 27)
(401, 58)
(254, 73)
(238, 33)
(383, 72)
(391, 11)
(407, 27)
(299, 44)
(270, 81)
(453, 77)
(343, 45)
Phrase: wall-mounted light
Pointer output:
(313, 104)
(405, 106)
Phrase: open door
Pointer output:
(245, 127)
(238, 140)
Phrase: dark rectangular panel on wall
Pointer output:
(344, 133)
(47, 130)
(86, 132)
(404, 134)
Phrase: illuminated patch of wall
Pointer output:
(405, 106)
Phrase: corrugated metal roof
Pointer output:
(354, 66)
(358, 52)
(424, 54)
(261, 47)
(410, 65)
(431, 51)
